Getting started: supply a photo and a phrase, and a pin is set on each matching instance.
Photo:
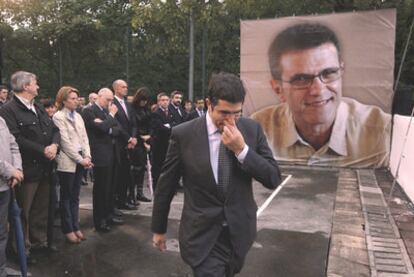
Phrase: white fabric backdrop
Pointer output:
(406, 172)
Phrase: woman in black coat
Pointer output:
(138, 155)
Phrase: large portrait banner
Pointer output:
(321, 86)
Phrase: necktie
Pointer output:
(166, 113)
(123, 107)
(224, 169)
(179, 112)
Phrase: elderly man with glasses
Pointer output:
(314, 124)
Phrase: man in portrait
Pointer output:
(313, 124)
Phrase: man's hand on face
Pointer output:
(113, 109)
(159, 242)
(232, 138)
(134, 142)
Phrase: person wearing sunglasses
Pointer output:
(314, 124)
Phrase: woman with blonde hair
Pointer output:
(72, 160)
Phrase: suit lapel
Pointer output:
(120, 109)
(204, 148)
(231, 185)
(99, 112)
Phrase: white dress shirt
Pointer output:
(27, 103)
(122, 102)
(200, 112)
(214, 139)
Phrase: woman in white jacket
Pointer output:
(73, 158)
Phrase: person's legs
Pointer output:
(219, 262)
(66, 185)
(74, 197)
(98, 192)
(4, 205)
(25, 195)
(53, 207)
(39, 213)
(123, 179)
(139, 180)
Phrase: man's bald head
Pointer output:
(120, 88)
(92, 97)
(105, 97)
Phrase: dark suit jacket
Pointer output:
(160, 134)
(100, 140)
(194, 114)
(127, 123)
(204, 210)
(33, 133)
(175, 115)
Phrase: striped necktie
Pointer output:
(224, 169)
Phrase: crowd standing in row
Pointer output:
(55, 144)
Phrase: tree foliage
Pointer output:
(90, 43)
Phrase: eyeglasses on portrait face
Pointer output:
(305, 81)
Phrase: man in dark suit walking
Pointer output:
(126, 140)
(161, 124)
(218, 223)
(102, 128)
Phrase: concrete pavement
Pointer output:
(316, 226)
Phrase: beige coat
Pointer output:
(73, 140)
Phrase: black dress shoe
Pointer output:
(142, 198)
(103, 228)
(117, 212)
(115, 221)
(128, 207)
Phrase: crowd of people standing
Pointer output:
(49, 147)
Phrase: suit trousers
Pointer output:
(53, 206)
(123, 178)
(33, 198)
(101, 194)
(219, 262)
(70, 184)
(4, 205)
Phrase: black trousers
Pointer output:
(220, 260)
(101, 193)
(123, 177)
(54, 200)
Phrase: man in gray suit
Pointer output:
(218, 223)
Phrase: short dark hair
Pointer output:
(198, 98)
(299, 37)
(4, 87)
(175, 92)
(161, 94)
(227, 87)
